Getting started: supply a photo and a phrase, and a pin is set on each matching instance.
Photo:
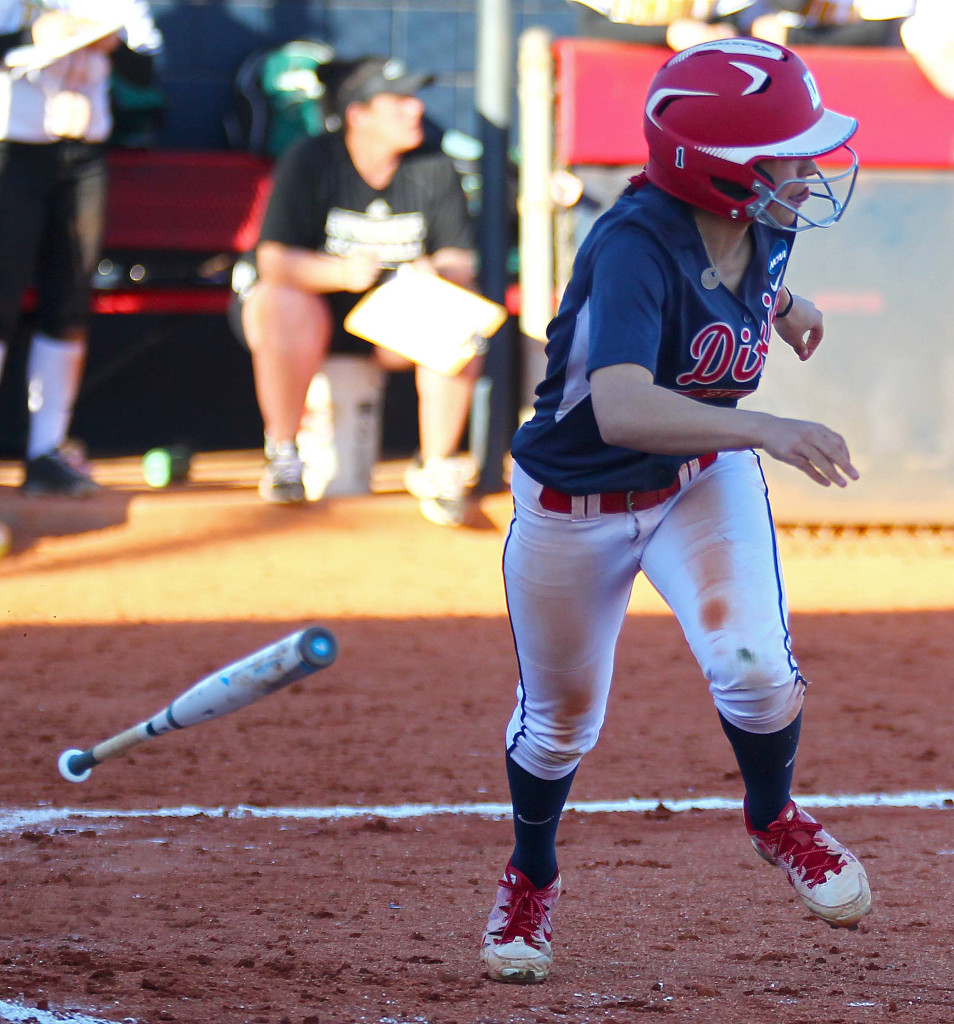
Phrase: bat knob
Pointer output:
(73, 765)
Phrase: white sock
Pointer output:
(54, 371)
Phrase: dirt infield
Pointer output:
(329, 854)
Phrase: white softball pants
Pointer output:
(709, 551)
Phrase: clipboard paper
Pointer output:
(427, 320)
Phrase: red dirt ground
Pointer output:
(111, 607)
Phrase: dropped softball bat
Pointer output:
(233, 687)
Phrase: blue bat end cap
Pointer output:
(319, 647)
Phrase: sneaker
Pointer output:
(516, 943)
(53, 474)
(826, 877)
(441, 486)
(281, 482)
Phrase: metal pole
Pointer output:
(535, 92)
(493, 419)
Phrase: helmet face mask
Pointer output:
(828, 198)
(716, 110)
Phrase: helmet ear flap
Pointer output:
(733, 190)
(757, 181)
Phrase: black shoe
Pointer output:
(52, 474)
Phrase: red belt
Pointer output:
(623, 501)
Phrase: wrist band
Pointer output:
(779, 313)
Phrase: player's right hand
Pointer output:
(813, 448)
(358, 271)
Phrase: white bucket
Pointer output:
(340, 436)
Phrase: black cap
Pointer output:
(360, 80)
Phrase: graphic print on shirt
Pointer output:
(726, 364)
(393, 238)
(719, 353)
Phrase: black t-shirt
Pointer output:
(320, 202)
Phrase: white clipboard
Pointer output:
(23, 59)
(426, 319)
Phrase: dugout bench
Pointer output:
(186, 215)
(884, 377)
(175, 223)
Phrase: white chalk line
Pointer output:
(19, 818)
(14, 1012)
(25, 817)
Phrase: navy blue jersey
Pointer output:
(636, 296)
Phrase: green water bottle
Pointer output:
(164, 466)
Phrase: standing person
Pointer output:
(677, 24)
(53, 129)
(928, 35)
(830, 22)
(637, 458)
(345, 206)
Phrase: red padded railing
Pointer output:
(196, 201)
(601, 86)
(163, 299)
(208, 203)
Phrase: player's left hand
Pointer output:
(802, 327)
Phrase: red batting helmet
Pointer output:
(715, 110)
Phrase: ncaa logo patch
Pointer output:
(777, 258)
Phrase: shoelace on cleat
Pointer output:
(442, 481)
(445, 486)
(813, 860)
(286, 471)
(527, 915)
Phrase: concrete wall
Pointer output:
(884, 374)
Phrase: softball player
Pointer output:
(637, 459)
(54, 123)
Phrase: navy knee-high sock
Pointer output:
(767, 764)
(537, 806)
